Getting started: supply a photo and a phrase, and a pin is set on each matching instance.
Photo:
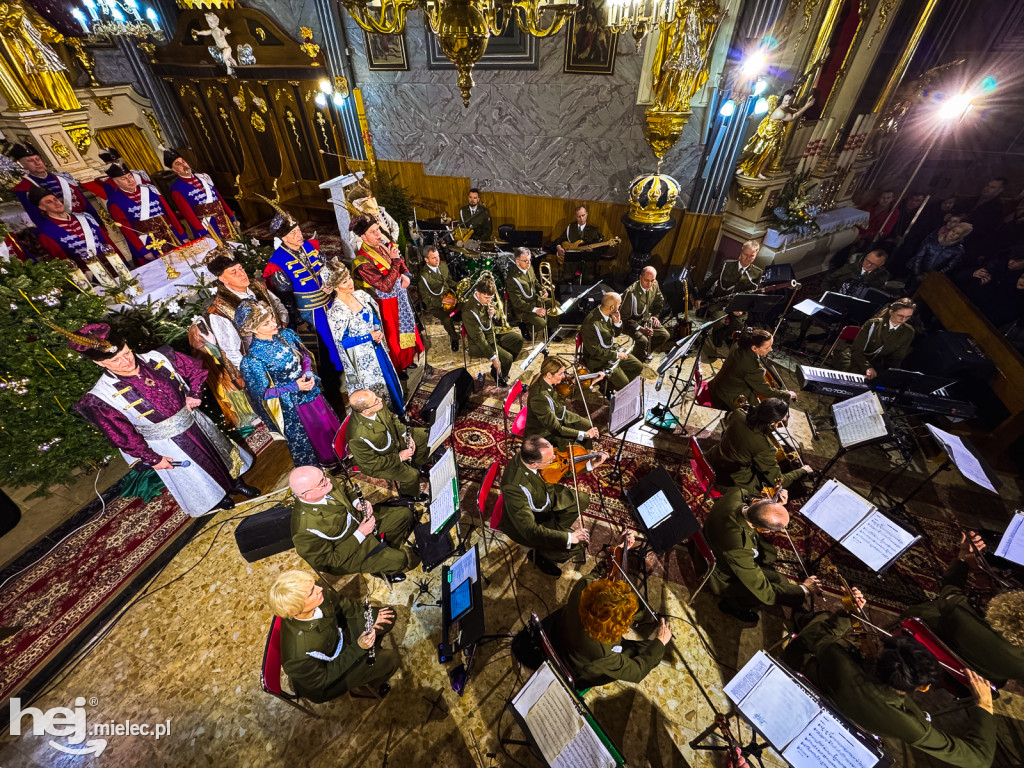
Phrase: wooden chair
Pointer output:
(270, 674)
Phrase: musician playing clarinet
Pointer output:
(434, 282)
(599, 352)
(546, 517)
(990, 642)
(743, 577)
(743, 373)
(382, 447)
(870, 682)
(747, 457)
(740, 276)
(325, 643)
(546, 413)
(641, 304)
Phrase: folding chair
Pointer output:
(496, 513)
(709, 558)
(519, 420)
(342, 452)
(270, 673)
(702, 471)
(481, 499)
(849, 333)
(701, 394)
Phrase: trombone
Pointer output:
(546, 284)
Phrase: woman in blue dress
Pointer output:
(278, 372)
(356, 327)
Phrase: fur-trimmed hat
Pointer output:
(170, 156)
(37, 193)
(116, 171)
(110, 155)
(361, 225)
(19, 151)
(250, 315)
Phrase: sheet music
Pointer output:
(655, 510)
(627, 405)
(585, 751)
(962, 456)
(836, 509)
(442, 507)
(553, 721)
(748, 677)
(443, 421)
(779, 707)
(1011, 546)
(859, 419)
(463, 568)
(808, 307)
(877, 540)
(827, 743)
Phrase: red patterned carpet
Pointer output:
(56, 599)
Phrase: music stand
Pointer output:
(753, 303)
(627, 408)
(661, 416)
(854, 309)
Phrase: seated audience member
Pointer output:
(942, 251)
(588, 635)
(884, 215)
(995, 289)
(324, 640)
(743, 576)
(747, 457)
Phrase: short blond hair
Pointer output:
(289, 593)
(1005, 614)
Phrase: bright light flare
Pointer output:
(955, 107)
(728, 109)
(754, 63)
(759, 87)
(760, 106)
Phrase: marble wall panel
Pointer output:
(112, 68)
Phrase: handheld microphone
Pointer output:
(182, 464)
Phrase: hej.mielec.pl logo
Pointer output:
(64, 721)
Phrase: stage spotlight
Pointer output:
(955, 107)
(759, 87)
(325, 87)
(754, 63)
(728, 109)
(338, 99)
(321, 100)
(760, 107)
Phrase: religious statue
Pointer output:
(220, 40)
(767, 140)
(24, 40)
(681, 62)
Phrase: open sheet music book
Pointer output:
(559, 725)
(793, 719)
(444, 420)
(1011, 546)
(444, 491)
(857, 525)
(859, 419)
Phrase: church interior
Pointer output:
(483, 383)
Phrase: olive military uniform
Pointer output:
(638, 307)
(599, 352)
(743, 575)
(375, 444)
(595, 663)
(720, 289)
(742, 374)
(877, 346)
(479, 220)
(547, 417)
(834, 666)
(321, 656)
(524, 297)
(848, 280)
(747, 459)
(963, 628)
(433, 284)
(484, 340)
(538, 514)
(325, 535)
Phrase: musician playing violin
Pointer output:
(871, 689)
(543, 516)
(748, 455)
(992, 643)
(587, 633)
(744, 578)
(743, 373)
(599, 352)
(546, 414)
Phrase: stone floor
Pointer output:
(188, 655)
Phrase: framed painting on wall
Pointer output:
(512, 50)
(385, 53)
(589, 43)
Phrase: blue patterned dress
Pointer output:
(271, 370)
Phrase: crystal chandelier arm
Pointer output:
(389, 21)
(528, 18)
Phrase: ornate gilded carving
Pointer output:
(257, 122)
(147, 48)
(85, 60)
(186, 88)
(62, 150)
(227, 121)
(26, 40)
(210, 91)
(308, 47)
(293, 122)
(283, 93)
(809, 8)
(202, 123)
(154, 124)
(104, 103)
(260, 102)
(80, 136)
(200, 5)
(261, 33)
(651, 198)
(663, 129)
(884, 9)
(747, 197)
(323, 129)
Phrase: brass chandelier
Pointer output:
(463, 27)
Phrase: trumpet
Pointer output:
(546, 284)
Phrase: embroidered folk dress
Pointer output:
(379, 271)
(271, 371)
(145, 416)
(367, 364)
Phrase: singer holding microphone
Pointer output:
(147, 406)
(356, 328)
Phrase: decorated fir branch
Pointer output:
(797, 208)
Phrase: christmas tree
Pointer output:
(42, 440)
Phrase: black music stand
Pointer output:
(753, 303)
(661, 416)
(623, 414)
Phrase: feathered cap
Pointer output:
(18, 151)
(170, 156)
(361, 225)
(250, 315)
(110, 155)
(37, 193)
(282, 223)
(116, 171)
(96, 341)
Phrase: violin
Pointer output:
(558, 468)
(586, 379)
(618, 557)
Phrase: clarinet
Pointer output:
(371, 654)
